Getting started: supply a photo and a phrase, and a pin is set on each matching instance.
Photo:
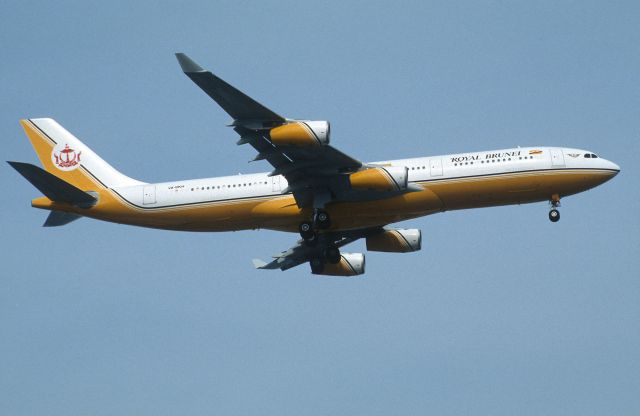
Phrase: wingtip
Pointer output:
(187, 64)
(258, 264)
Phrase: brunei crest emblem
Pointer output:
(65, 158)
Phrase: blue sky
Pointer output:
(501, 313)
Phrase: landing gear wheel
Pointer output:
(317, 265)
(306, 229)
(332, 254)
(308, 234)
(554, 215)
(311, 240)
(321, 219)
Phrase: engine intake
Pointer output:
(386, 179)
(301, 133)
(395, 241)
(350, 264)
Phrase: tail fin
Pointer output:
(66, 157)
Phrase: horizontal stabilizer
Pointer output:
(57, 218)
(53, 187)
(236, 103)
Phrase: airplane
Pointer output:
(326, 196)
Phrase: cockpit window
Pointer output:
(594, 156)
(590, 156)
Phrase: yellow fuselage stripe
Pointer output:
(281, 212)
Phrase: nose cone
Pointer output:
(613, 166)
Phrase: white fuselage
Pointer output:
(421, 170)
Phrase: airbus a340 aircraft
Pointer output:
(328, 197)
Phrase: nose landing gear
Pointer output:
(554, 214)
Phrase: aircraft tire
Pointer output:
(306, 229)
(311, 240)
(554, 215)
(322, 220)
(317, 265)
(332, 253)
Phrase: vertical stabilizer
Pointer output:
(65, 156)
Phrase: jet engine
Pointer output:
(301, 133)
(350, 264)
(388, 178)
(395, 241)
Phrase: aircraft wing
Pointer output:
(301, 253)
(313, 172)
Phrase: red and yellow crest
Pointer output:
(65, 158)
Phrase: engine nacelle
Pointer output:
(350, 264)
(301, 133)
(388, 178)
(395, 241)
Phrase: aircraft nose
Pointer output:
(613, 166)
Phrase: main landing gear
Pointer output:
(309, 229)
(554, 214)
(330, 255)
(309, 233)
(321, 219)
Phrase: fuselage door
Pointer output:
(149, 195)
(275, 183)
(557, 158)
(436, 167)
